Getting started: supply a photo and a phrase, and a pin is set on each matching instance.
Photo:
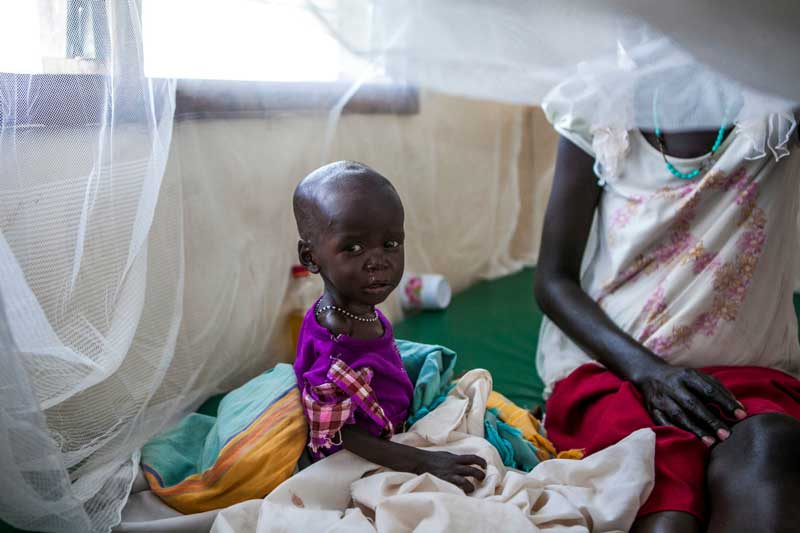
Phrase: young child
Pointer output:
(355, 391)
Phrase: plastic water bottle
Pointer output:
(303, 292)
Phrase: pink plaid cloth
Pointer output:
(331, 405)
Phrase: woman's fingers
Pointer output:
(716, 392)
(678, 417)
(471, 471)
(660, 418)
(694, 407)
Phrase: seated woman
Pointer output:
(678, 316)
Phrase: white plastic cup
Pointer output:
(424, 291)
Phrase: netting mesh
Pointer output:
(92, 296)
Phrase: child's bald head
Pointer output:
(321, 196)
(350, 221)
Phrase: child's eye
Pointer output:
(391, 244)
(354, 248)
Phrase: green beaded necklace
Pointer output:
(660, 138)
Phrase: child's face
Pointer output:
(360, 251)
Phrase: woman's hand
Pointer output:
(452, 468)
(679, 396)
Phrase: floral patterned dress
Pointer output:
(700, 271)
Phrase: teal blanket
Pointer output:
(431, 369)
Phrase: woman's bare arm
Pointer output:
(569, 216)
(673, 395)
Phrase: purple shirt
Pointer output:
(317, 347)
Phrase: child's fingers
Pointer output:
(462, 483)
(471, 471)
(472, 460)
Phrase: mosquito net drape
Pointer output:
(92, 295)
(145, 225)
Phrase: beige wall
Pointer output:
(473, 176)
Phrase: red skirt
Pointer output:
(593, 409)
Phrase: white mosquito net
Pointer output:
(145, 223)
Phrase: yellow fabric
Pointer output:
(530, 427)
(249, 466)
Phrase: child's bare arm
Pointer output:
(399, 457)
(673, 395)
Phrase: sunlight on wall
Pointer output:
(238, 40)
(20, 47)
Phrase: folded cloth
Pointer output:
(514, 450)
(430, 368)
(248, 449)
(347, 493)
(260, 432)
(515, 423)
(514, 432)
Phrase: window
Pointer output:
(232, 57)
(87, 29)
(20, 47)
(282, 52)
(256, 40)
(54, 37)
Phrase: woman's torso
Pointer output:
(700, 271)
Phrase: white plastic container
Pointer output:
(424, 291)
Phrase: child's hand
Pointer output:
(402, 458)
(453, 468)
(679, 396)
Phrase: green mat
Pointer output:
(492, 325)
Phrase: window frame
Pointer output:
(214, 99)
(199, 99)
